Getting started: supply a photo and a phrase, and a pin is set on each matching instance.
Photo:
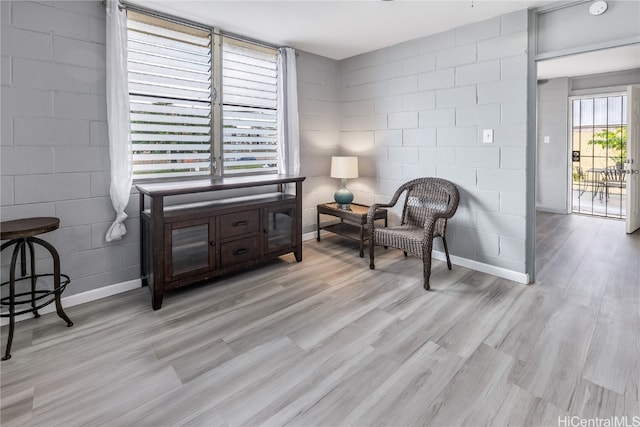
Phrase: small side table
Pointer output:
(353, 222)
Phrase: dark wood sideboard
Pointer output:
(184, 243)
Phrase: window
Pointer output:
(249, 94)
(183, 122)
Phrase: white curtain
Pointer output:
(288, 129)
(118, 117)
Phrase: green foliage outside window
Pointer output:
(612, 139)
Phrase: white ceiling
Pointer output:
(342, 29)
(337, 29)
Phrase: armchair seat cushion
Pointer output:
(409, 238)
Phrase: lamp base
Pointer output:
(343, 198)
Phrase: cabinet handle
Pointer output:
(239, 223)
(212, 243)
(241, 251)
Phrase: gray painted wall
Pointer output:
(54, 152)
(419, 108)
(573, 29)
(552, 156)
(319, 111)
(604, 83)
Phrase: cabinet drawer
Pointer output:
(239, 223)
(239, 251)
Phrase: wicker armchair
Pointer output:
(428, 205)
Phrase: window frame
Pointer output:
(217, 139)
(259, 112)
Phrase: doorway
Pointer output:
(598, 133)
(574, 79)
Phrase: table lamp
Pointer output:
(344, 167)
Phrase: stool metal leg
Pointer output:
(21, 245)
(23, 260)
(34, 278)
(12, 298)
(56, 278)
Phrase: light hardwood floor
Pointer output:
(330, 342)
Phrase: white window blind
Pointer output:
(170, 71)
(249, 98)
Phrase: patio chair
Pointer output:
(589, 179)
(429, 202)
(613, 177)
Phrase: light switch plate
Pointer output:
(487, 136)
(547, 139)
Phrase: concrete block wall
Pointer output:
(54, 152)
(419, 109)
(319, 113)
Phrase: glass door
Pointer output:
(280, 227)
(598, 152)
(190, 248)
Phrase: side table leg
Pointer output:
(318, 225)
(361, 241)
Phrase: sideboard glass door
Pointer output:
(280, 221)
(191, 248)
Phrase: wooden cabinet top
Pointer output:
(171, 188)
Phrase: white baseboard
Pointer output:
(462, 262)
(83, 297)
(484, 268)
(312, 235)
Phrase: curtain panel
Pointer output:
(120, 153)
(288, 126)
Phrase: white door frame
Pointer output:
(632, 222)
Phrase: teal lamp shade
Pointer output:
(344, 167)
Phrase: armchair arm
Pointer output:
(375, 206)
(372, 211)
(432, 218)
(436, 215)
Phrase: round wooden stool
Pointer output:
(20, 234)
